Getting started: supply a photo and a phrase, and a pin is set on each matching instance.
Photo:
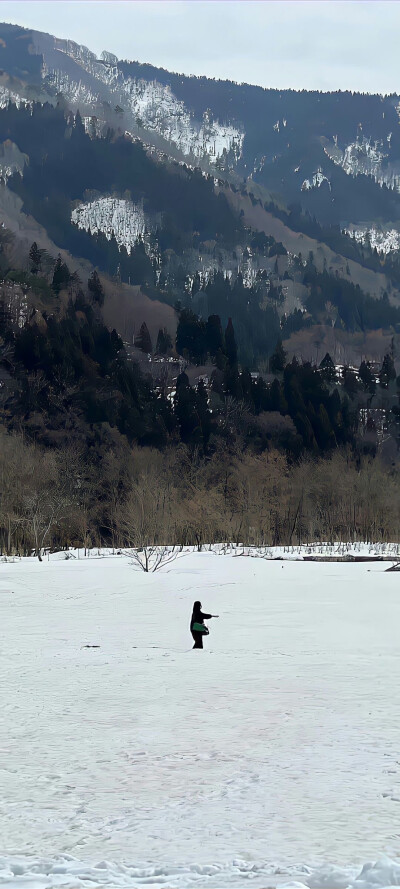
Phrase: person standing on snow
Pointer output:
(197, 626)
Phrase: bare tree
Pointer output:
(46, 500)
(152, 558)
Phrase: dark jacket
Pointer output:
(198, 617)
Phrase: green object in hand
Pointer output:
(200, 628)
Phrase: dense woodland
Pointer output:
(123, 496)
(92, 451)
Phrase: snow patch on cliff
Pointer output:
(12, 160)
(316, 181)
(75, 91)
(114, 216)
(385, 240)
(365, 156)
(7, 95)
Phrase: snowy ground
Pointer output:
(268, 756)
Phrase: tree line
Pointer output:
(135, 497)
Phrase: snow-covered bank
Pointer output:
(270, 753)
(301, 552)
(70, 873)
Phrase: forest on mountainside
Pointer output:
(93, 450)
(338, 241)
(114, 164)
(192, 221)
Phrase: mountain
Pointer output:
(194, 274)
(279, 209)
(308, 147)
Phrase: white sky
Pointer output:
(303, 44)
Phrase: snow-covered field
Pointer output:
(272, 756)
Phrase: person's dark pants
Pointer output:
(198, 639)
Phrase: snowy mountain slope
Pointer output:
(141, 761)
(130, 225)
(266, 135)
(143, 106)
(366, 158)
(155, 108)
(273, 140)
(261, 133)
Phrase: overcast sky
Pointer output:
(303, 44)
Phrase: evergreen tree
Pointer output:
(304, 427)
(327, 368)
(217, 381)
(214, 335)
(79, 128)
(164, 342)
(246, 383)
(220, 360)
(95, 288)
(278, 401)
(186, 412)
(367, 377)
(191, 336)
(232, 382)
(230, 344)
(350, 382)
(61, 275)
(293, 391)
(143, 341)
(278, 359)
(326, 435)
(387, 372)
(35, 258)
